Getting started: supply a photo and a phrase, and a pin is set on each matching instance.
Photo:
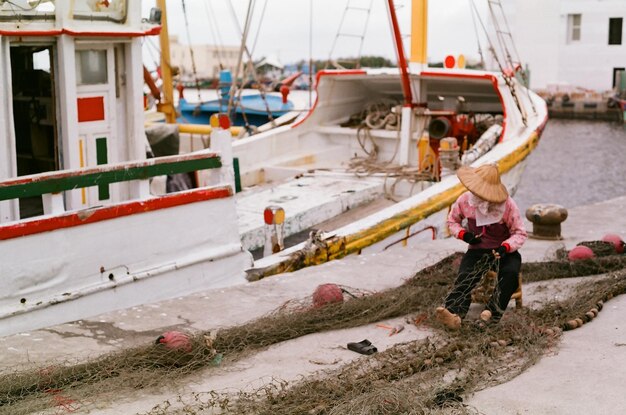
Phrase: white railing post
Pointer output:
(222, 141)
(53, 203)
(406, 128)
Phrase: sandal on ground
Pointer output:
(363, 347)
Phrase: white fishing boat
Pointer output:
(389, 182)
(80, 232)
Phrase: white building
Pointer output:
(579, 43)
(209, 59)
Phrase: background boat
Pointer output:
(252, 107)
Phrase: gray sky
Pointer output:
(285, 29)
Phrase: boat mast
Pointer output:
(406, 85)
(407, 107)
(167, 105)
(419, 34)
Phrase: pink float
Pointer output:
(616, 240)
(327, 294)
(580, 252)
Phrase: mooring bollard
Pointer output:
(546, 220)
(274, 217)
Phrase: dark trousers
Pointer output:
(474, 264)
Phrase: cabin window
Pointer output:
(573, 27)
(615, 31)
(91, 67)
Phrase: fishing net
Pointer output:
(422, 376)
(337, 293)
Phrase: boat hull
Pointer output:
(116, 257)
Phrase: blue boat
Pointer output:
(253, 109)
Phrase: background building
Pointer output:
(209, 59)
(576, 43)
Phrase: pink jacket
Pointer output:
(512, 238)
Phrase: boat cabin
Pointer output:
(80, 231)
(71, 78)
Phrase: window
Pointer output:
(573, 27)
(91, 67)
(615, 31)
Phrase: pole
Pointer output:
(310, 53)
(419, 33)
(167, 105)
(406, 85)
(407, 113)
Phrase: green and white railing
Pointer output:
(50, 185)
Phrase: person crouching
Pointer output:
(494, 231)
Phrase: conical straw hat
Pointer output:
(484, 182)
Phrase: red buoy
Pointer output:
(327, 294)
(616, 240)
(175, 340)
(580, 252)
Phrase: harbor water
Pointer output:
(576, 163)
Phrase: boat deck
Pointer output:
(308, 200)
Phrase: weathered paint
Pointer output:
(55, 182)
(82, 217)
(127, 260)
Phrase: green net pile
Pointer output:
(424, 376)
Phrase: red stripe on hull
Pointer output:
(68, 220)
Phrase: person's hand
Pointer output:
(471, 239)
(500, 252)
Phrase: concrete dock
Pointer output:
(583, 376)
